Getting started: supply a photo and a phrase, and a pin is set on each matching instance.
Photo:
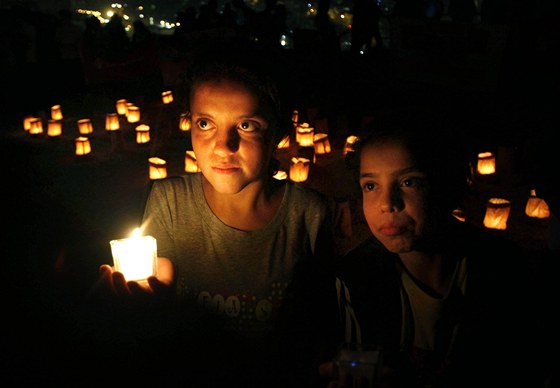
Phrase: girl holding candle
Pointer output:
(451, 305)
(236, 244)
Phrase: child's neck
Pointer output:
(250, 209)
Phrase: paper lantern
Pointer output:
(459, 214)
(112, 122)
(191, 164)
(167, 97)
(54, 128)
(321, 144)
(135, 257)
(280, 175)
(122, 107)
(83, 146)
(185, 122)
(56, 112)
(497, 213)
(85, 127)
(350, 144)
(158, 168)
(27, 122)
(133, 114)
(35, 126)
(304, 135)
(142, 134)
(284, 143)
(486, 163)
(536, 207)
(299, 169)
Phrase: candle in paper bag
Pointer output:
(135, 257)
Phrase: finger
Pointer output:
(159, 288)
(104, 283)
(120, 284)
(139, 288)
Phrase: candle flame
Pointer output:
(135, 233)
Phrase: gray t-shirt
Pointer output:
(240, 275)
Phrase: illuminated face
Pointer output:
(394, 196)
(230, 139)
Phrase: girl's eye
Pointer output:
(413, 182)
(203, 124)
(368, 186)
(248, 126)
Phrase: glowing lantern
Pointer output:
(158, 168)
(536, 207)
(497, 213)
(459, 214)
(486, 163)
(56, 112)
(27, 122)
(350, 144)
(83, 146)
(35, 126)
(281, 175)
(304, 135)
(85, 126)
(185, 122)
(167, 97)
(191, 164)
(133, 114)
(142, 134)
(54, 128)
(321, 144)
(112, 122)
(299, 169)
(135, 257)
(284, 143)
(122, 107)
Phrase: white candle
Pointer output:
(135, 257)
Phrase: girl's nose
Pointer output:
(391, 201)
(227, 141)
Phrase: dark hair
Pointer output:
(257, 67)
(435, 150)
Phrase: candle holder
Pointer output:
(135, 257)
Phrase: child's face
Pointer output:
(230, 140)
(394, 196)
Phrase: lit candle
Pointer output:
(185, 122)
(112, 122)
(299, 169)
(167, 97)
(321, 143)
(122, 106)
(158, 168)
(191, 164)
(56, 112)
(497, 213)
(83, 146)
(85, 127)
(284, 143)
(54, 128)
(133, 114)
(36, 126)
(486, 163)
(135, 257)
(142, 134)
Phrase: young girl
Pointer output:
(452, 305)
(231, 239)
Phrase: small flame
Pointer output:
(135, 233)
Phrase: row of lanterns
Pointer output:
(497, 209)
